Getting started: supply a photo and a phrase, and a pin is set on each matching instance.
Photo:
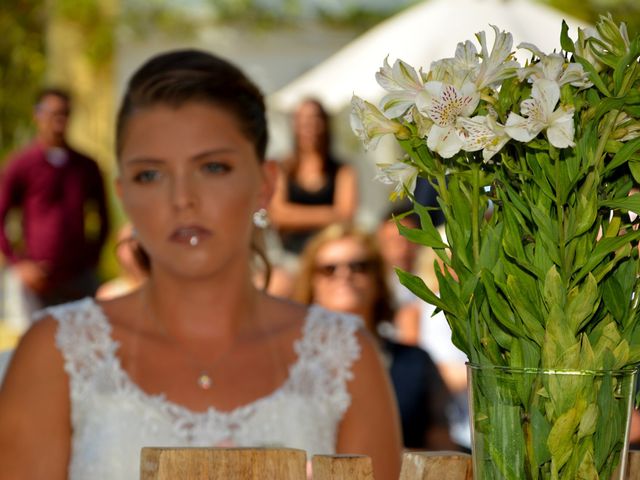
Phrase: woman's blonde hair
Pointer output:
(383, 310)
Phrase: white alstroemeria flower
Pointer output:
(483, 133)
(403, 84)
(463, 67)
(401, 174)
(539, 114)
(442, 71)
(553, 67)
(499, 64)
(370, 124)
(444, 104)
(460, 69)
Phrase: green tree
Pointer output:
(22, 68)
(627, 11)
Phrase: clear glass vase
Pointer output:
(531, 424)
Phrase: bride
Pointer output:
(197, 356)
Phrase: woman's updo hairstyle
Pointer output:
(177, 77)
(181, 76)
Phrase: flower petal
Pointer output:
(561, 130)
(547, 92)
(445, 141)
(520, 128)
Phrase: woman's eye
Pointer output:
(216, 167)
(146, 176)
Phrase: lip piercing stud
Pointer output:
(193, 241)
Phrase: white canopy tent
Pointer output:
(419, 35)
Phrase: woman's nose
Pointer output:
(184, 193)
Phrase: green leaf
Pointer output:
(582, 302)
(588, 421)
(560, 441)
(499, 307)
(586, 214)
(587, 469)
(565, 42)
(540, 432)
(630, 203)
(625, 66)
(518, 292)
(426, 235)
(634, 166)
(623, 155)
(554, 289)
(614, 298)
(605, 247)
(593, 75)
(419, 288)
(507, 441)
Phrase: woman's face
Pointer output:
(310, 126)
(343, 279)
(190, 181)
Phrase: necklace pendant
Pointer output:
(204, 381)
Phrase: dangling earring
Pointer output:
(261, 218)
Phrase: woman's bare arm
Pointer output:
(291, 216)
(35, 428)
(371, 425)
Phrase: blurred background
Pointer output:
(292, 48)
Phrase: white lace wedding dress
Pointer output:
(112, 418)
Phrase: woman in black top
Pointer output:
(313, 189)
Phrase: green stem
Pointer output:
(475, 212)
(441, 188)
(564, 274)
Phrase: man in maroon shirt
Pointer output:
(54, 188)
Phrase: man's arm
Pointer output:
(11, 189)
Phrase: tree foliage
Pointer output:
(627, 11)
(22, 67)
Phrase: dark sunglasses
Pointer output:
(355, 267)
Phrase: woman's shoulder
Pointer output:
(324, 333)
(36, 352)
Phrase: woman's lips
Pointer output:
(190, 235)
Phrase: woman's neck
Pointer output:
(221, 308)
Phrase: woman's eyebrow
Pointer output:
(143, 160)
(213, 152)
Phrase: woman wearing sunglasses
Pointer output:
(342, 269)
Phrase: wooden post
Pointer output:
(342, 467)
(222, 464)
(436, 465)
(633, 465)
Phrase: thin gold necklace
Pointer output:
(204, 379)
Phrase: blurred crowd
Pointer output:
(316, 254)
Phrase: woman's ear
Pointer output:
(269, 178)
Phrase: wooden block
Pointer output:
(633, 466)
(342, 467)
(436, 466)
(222, 464)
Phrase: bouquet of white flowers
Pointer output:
(535, 168)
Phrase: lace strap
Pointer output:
(327, 351)
(83, 337)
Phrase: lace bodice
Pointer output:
(112, 418)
